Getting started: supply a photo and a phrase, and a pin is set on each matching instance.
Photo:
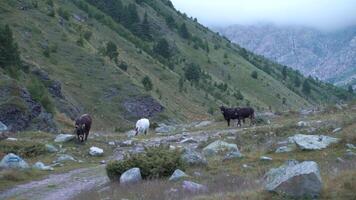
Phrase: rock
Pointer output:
(177, 175)
(340, 160)
(188, 140)
(232, 155)
(295, 179)
(287, 148)
(202, 124)
(337, 130)
(64, 158)
(64, 138)
(12, 139)
(163, 128)
(127, 143)
(103, 162)
(13, 161)
(303, 124)
(130, 133)
(350, 154)
(192, 157)
(145, 106)
(246, 166)
(132, 175)
(41, 166)
(95, 151)
(219, 147)
(3, 127)
(50, 148)
(265, 158)
(190, 186)
(111, 143)
(313, 142)
(350, 146)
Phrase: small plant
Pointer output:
(26, 149)
(156, 162)
(63, 13)
(254, 75)
(123, 66)
(146, 82)
(87, 35)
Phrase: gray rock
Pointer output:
(188, 140)
(350, 154)
(64, 158)
(13, 161)
(232, 155)
(313, 142)
(50, 148)
(219, 147)
(103, 162)
(340, 160)
(350, 146)
(303, 124)
(203, 123)
(337, 130)
(111, 143)
(287, 148)
(127, 143)
(295, 179)
(42, 166)
(12, 139)
(192, 157)
(190, 186)
(163, 128)
(132, 175)
(64, 138)
(265, 158)
(130, 133)
(3, 127)
(177, 175)
(95, 151)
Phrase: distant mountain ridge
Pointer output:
(330, 56)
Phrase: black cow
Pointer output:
(229, 114)
(244, 113)
(82, 127)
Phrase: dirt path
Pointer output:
(59, 186)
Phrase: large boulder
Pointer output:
(177, 175)
(190, 186)
(95, 151)
(3, 127)
(192, 157)
(64, 158)
(42, 166)
(218, 147)
(132, 175)
(13, 161)
(64, 138)
(313, 142)
(295, 179)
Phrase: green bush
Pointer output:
(146, 82)
(254, 75)
(26, 149)
(123, 66)
(156, 162)
(63, 13)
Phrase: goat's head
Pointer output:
(79, 131)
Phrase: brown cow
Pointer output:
(82, 127)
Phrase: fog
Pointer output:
(321, 14)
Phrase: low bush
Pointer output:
(156, 162)
(25, 149)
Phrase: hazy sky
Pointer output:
(324, 14)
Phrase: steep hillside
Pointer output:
(329, 56)
(122, 60)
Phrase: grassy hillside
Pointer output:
(191, 69)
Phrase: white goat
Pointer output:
(142, 126)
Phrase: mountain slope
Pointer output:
(329, 56)
(169, 67)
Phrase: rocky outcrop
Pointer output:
(95, 151)
(131, 176)
(192, 157)
(295, 179)
(142, 107)
(13, 161)
(177, 175)
(64, 138)
(19, 111)
(219, 147)
(313, 142)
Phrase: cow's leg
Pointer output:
(86, 135)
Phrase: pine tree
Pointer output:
(9, 53)
(162, 48)
(183, 31)
(297, 81)
(350, 89)
(111, 51)
(284, 72)
(306, 87)
(145, 28)
(192, 72)
(146, 82)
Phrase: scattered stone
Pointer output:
(190, 186)
(103, 162)
(3, 127)
(202, 124)
(163, 128)
(132, 175)
(350, 154)
(13, 161)
(177, 175)
(127, 143)
(111, 143)
(57, 165)
(337, 130)
(188, 140)
(64, 138)
(265, 158)
(131, 133)
(219, 147)
(295, 179)
(350, 146)
(340, 160)
(64, 158)
(95, 151)
(192, 157)
(232, 155)
(12, 139)
(42, 166)
(285, 149)
(50, 148)
(246, 166)
(313, 142)
(197, 174)
(303, 124)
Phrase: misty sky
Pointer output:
(322, 14)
